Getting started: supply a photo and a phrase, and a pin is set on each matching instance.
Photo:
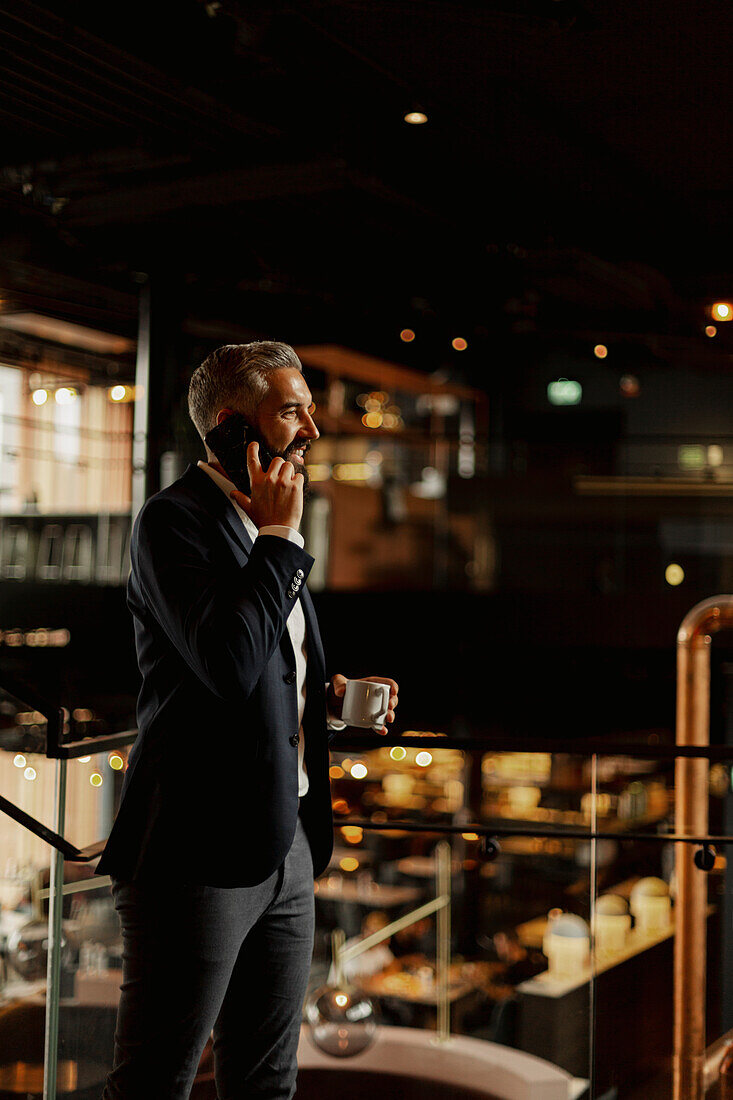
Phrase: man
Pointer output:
(225, 817)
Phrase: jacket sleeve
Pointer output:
(227, 627)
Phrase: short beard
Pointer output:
(299, 466)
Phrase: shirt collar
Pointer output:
(227, 486)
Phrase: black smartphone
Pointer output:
(229, 441)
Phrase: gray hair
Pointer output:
(235, 376)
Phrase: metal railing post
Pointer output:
(53, 969)
(691, 807)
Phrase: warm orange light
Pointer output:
(407, 335)
(710, 330)
(416, 118)
(372, 420)
(459, 344)
(335, 772)
(348, 863)
(470, 836)
(722, 311)
(600, 351)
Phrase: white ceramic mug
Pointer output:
(365, 704)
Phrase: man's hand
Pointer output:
(276, 493)
(337, 687)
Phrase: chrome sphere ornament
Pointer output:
(27, 950)
(341, 1020)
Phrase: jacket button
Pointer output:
(295, 739)
(289, 677)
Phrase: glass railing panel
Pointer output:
(92, 963)
(633, 956)
(512, 988)
(541, 885)
(23, 947)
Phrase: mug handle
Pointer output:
(377, 727)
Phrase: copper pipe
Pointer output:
(691, 802)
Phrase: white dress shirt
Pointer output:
(296, 618)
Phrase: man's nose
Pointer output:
(309, 428)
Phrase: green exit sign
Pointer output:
(564, 391)
(691, 456)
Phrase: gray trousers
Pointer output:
(202, 958)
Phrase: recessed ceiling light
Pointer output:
(416, 118)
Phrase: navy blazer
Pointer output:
(211, 790)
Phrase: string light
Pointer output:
(65, 395)
(674, 574)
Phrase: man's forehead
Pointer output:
(287, 387)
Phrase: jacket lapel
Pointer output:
(198, 483)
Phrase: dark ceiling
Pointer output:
(574, 179)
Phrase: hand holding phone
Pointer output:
(276, 493)
(269, 488)
(229, 442)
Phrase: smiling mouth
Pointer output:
(299, 453)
